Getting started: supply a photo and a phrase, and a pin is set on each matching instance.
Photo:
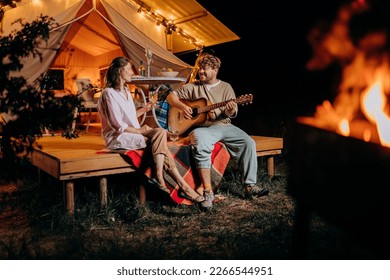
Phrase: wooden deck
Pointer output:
(71, 159)
(68, 159)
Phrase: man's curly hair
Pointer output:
(209, 60)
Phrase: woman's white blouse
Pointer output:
(116, 114)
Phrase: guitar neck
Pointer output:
(213, 106)
(199, 108)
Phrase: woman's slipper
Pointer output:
(154, 182)
(197, 199)
(199, 190)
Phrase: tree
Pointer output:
(27, 110)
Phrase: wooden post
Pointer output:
(69, 190)
(271, 166)
(142, 194)
(103, 191)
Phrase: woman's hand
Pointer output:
(145, 128)
(149, 106)
(146, 108)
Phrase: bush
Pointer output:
(27, 110)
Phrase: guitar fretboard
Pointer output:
(214, 106)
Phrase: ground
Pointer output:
(34, 226)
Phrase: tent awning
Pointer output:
(189, 17)
(185, 24)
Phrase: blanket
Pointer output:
(181, 151)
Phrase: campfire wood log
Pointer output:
(343, 180)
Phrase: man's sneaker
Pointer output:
(207, 204)
(254, 190)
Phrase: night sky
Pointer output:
(269, 59)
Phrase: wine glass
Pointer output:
(153, 96)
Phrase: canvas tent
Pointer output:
(92, 32)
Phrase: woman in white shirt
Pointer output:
(121, 128)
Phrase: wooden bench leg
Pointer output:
(142, 194)
(271, 166)
(69, 197)
(103, 191)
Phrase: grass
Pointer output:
(34, 225)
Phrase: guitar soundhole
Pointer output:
(194, 112)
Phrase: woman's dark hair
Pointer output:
(114, 71)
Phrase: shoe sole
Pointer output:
(206, 208)
(198, 199)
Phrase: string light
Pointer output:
(140, 8)
(170, 25)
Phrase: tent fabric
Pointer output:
(208, 30)
(93, 32)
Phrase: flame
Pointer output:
(361, 108)
(373, 106)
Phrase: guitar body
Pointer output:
(200, 109)
(176, 117)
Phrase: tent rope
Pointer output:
(73, 20)
(109, 22)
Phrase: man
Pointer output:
(218, 128)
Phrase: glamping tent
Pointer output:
(92, 32)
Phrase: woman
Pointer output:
(121, 128)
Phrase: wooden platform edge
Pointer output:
(268, 147)
(50, 162)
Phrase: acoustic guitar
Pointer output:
(200, 109)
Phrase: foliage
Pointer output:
(26, 109)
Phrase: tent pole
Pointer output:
(195, 69)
